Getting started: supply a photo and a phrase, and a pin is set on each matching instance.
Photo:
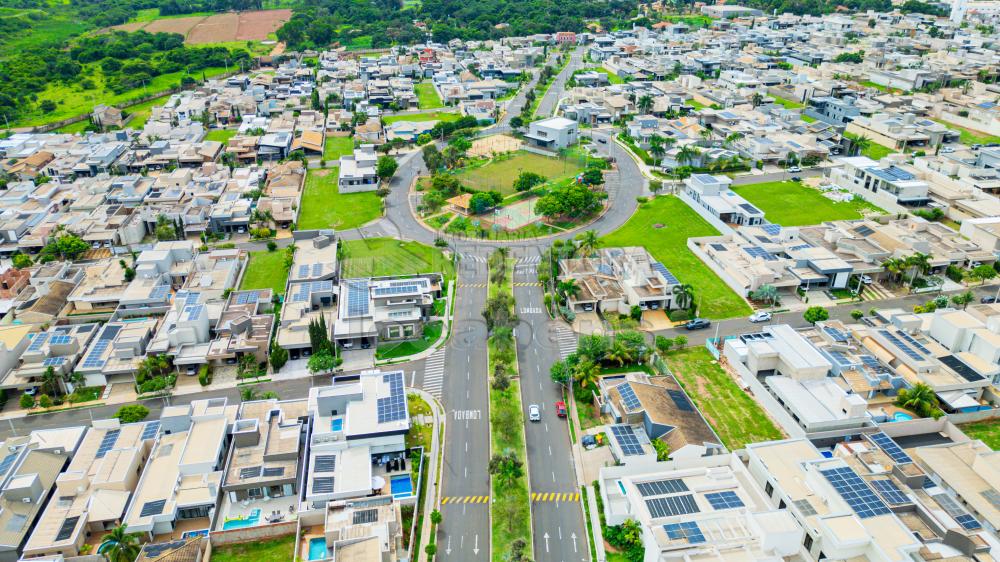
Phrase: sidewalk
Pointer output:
(595, 518)
(432, 499)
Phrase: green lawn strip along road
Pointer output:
(735, 416)
(875, 151)
(275, 550)
(533, 109)
(499, 173)
(669, 246)
(377, 257)
(323, 206)
(266, 270)
(394, 350)
(445, 116)
(789, 203)
(335, 147)
(510, 509)
(988, 431)
(427, 96)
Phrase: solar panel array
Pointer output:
(392, 407)
(750, 208)
(159, 292)
(325, 463)
(53, 361)
(150, 431)
(836, 334)
(909, 351)
(323, 485)
(662, 487)
(680, 400)
(60, 339)
(890, 447)
(872, 363)
(395, 290)
(305, 290)
(95, 358)
(839, 357)
(248, 297)
(108, 442)
(273, 471)
(303, 271)
(670, 278)
(39, 340)
(724, 500)
(912, 341)
(626, 439)
(688, 530)
(250, 472)
(66, 530)
(152, 508)
(629, 399)
(968, 522)
(864, 231)
(758, 252)
(890, 492)
(959, 366)
(949, 505)
(357, 298)
(192, 312)
(805, 507)
(855, 492)
(365, 516)
(800, 247)
(672, 505)
(772, 229)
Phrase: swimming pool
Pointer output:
(337, 424)
(317, 549)
(248, 521)
(901, 416)
(198, 533)
(401, 486)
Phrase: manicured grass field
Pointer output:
(427, 96)
(220, 135)
(323, 206)
(968, 136)
(733, 414)
(788, 104)
(277, 550)
(988, 431)
(790, 203)
(500, 174)
(432, 331)
(77, 127)
(374, 257)
(335, 147)
(668, 244)
(266, 270)
(445, 116)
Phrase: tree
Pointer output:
(44, 401)
(662, 450)
(588, 242)
(683, 296)
(756, 99)
(119, 545)
(619, 353)
(857, 314)
(594, 347)
(860, 145)
(663, 344)
(132, 413)
(645, 104)
(21, 261)
(766, 293)
(480, 203)
(572, 200)
(528, 180)
(386, 167)
(27, 401)
(560, 372)
(164, 229)
(963, 299)
(586, 373)
(680, 341)
(815, 314)
(278, 357)
(50, 381)
(920, 399)
(506, 467)
(687, 154)
(921, 263)
(436, 517)
(65, 246)
(322, 362)
(592, 176)
(983, 272)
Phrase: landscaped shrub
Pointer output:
(205, 375)
(44, 401)
(27, 401)
(132, 413)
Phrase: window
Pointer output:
(408, 330)
(769, 489)
(808, 543)
(192, 512)
(255, 493)
(395, 331)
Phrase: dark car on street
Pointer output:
(697, 324)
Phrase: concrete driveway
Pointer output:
(653, 320)
(588, 323)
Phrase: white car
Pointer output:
(947, 150)
(534, 414)
(794, 170)
(866, 279)
(760, 316)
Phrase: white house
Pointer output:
(357, 171)
(553, 134)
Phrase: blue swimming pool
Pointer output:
(248, 521)
(337, 424)
(401, 486)
(317, 549)
(901, 416)
(198, 533)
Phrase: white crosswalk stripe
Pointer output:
(434, 373)
(566, 340)
(472, 257)
(530, 260)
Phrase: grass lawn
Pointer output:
(789, 203)
(445, 116)
(266, 270)
(734, 415)
(323, 206)
(879, 87)
(335, 147)
(277, 550)
(669, 245)
(988, 431)
(140, 113)
(612, 78)
(968, 136)
(788, 104)
(220, 135)
(695, 104)
(77, 127)
(432, 331)
(427, 96)
(374, 257)
(875, 151)
(500, 174)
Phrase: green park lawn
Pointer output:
(668, 245)
(735, 416)
(988, 431)
(445, 116)
(375, 257)
(266, 270)
(335, 147)
(323, 206)
(141, 112)
(427, 96)
(789, 203)
(499, 174)
(220, 135)
(276, 550)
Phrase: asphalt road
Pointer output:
(548, 104)
(557, 520)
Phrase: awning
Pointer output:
(957, 400)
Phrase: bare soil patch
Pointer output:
(215, 29)
(173, 25)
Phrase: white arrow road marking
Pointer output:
(573, 536)
(475, 549)
(546, 537)
(448, 550)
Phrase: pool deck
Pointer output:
(238, 510)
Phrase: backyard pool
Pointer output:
(337, 424)
(317, 549)
(248, 521)
(198, 533)
(401, 486)
(901, 416)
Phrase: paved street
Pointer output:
(547, 106)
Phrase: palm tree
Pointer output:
(756, 99)
(687, 154)
(919, 263)
(766, 293)
(587, 373)
(894, 267)
(656, 147)
(619, 353)
(645, 104)
(684, 296)
(860, 144)
(733, 137)
(705, 133)
(120, 545)
(920, 399)
(589, 241)
(51, 380)
(568, 288)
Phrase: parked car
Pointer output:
(796, 178)
(32, 391)
(760, 316)
(588, 307)
(988, 300)
(947, 150)
(866, 279)
(602, 140)
(794, 169)
(534, 413)
(697, 324)
(561, 409)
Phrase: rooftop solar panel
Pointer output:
(392, 407)
(669, 277)
(724, 500)
(395, 290)
(274, 471)
(53, 361)
(890, 492)
(672, 505)
(38, 341)
(108, 442)
(150, 431)
(968, 522)
(159, 292)
(248, 297)
(629, 399)
(661, 487)
(66, 530)
(7, 462)
(626, 439)
(60, 339)
(688, 530)
(680, 400)
(962, 369)
(365, 516)
(750, 209)
(357, 298)
(901, 345)
(855, 492)
(152, 508)
(836, 334)
(771, 229)
(110, 331)
(758, 252)
(250, 472)
(95, 358)
(890, 447)
(193, 312)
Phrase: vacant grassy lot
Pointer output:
(612, 78)
(988, 431)
(220, 135)
(432, 331)
(734, 415)
(374, 257)
(266, 270)
(445, 116)
(427, 96)
(968, 136)
(499, 174)
(323, 206)
(790, 203)
(335, 147)
(788, 104)
(875, 151)
(277, 550)
(668, 244)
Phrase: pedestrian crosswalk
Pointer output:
(530, 260)
(473, 285)
(527, 284)
(434, 373)
(466, 499)
(472, 257)
(555, 497)
(565, 340)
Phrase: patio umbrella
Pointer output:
(377, 482)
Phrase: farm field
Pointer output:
(499, 174)
(323, 206)
(790, 203)
(204, 29)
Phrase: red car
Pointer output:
(561, 409)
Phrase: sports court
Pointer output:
(516, 215)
